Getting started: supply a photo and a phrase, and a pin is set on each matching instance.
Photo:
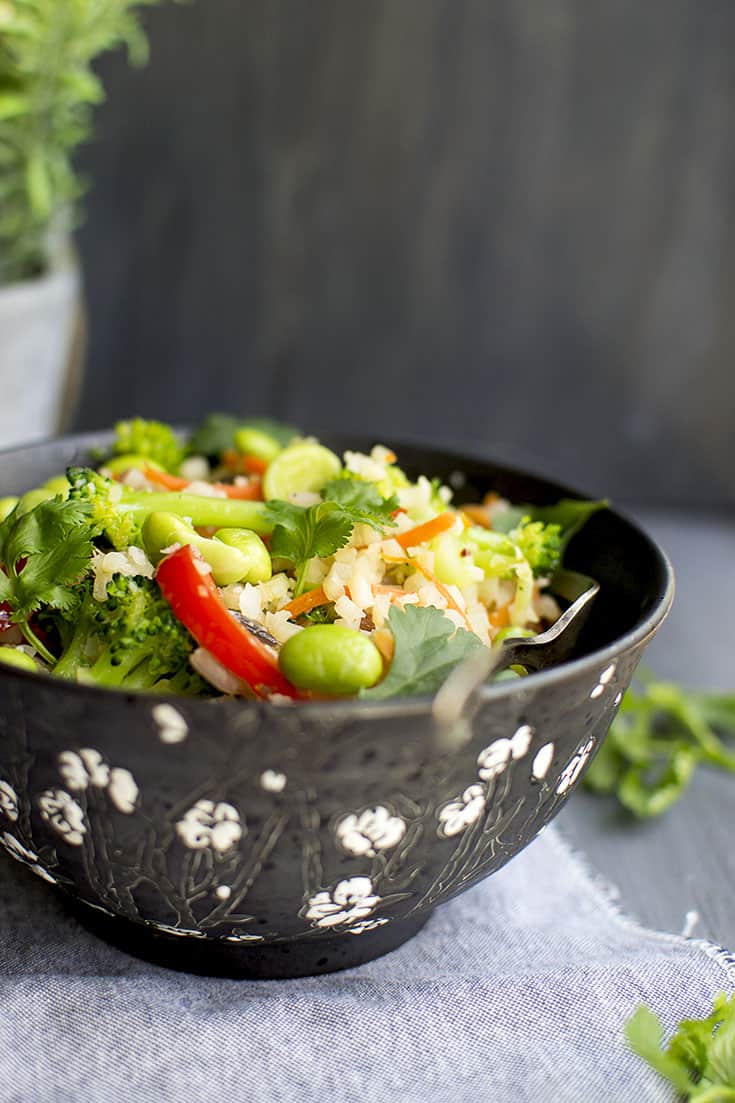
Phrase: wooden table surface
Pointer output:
(685, 860)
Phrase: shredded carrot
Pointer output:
(478, 515)
(380, 589)
(500, 618)
(170, 482)
(255, 465)
(306, 602)
(421, 533)
(250, 491)
(445, 592)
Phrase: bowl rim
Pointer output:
(598, 659)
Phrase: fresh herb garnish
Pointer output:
(363, 501)
(428, 646)
(301, 533)
(45, 552)
(700, 1058)
(657, 740)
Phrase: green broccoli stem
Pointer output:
(198, 509)
(76, 653)
(131, 672)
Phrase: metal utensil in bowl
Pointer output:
(453, 702)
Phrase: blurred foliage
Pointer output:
(47, 95)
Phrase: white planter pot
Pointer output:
(42, 339)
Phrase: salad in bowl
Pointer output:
(250, 560)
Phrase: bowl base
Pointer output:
(299, 957)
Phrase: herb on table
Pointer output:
(45, 553)
(658, 739)
(700, 1058)
(428, 646)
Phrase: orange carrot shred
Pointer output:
(421, 533)
(500, 618)
(306, 602)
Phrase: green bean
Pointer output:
(331, 659)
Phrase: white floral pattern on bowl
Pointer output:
(367, 832)
(27, 857)
(574, 767)
(457, 815)
(210, 825)
(346, 903)
(8, 801)
(494, 759)
(85, 769)
(63, 814)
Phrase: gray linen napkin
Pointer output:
(515, 992)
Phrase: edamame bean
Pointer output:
(33, 498)
(254, 442)
(512, 633)
(7, 505)
(59, 484)
(305, 466)
(229, 563)
(254, 550)
(13, 656)
(331, 659)
(118, 465)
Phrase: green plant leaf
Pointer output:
(428, 646)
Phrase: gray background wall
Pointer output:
(501, 222)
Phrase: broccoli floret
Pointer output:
(151, 439)
(132, 641)
(118, 511)
(540, 545)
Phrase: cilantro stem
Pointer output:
(34, 641)
(300, 578)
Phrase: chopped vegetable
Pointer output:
(363, 501)
(196, 602)
(152, 439)
(699, 1060)
(312, 599)
(244, 491)
(659, 737)
(218, 432)
(421, 534)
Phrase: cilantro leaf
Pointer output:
(53, 542)
(700, 1058)
(427, 648)
(301, 533)
(363, 500)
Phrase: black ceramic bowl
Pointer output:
(242, 838)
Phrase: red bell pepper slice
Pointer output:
(196, 602)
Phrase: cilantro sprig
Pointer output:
(45, 553)
(658, 739)
(301, 533)
(428, 646)
(363, 501)
(700, 1058)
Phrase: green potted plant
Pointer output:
(48, 92)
